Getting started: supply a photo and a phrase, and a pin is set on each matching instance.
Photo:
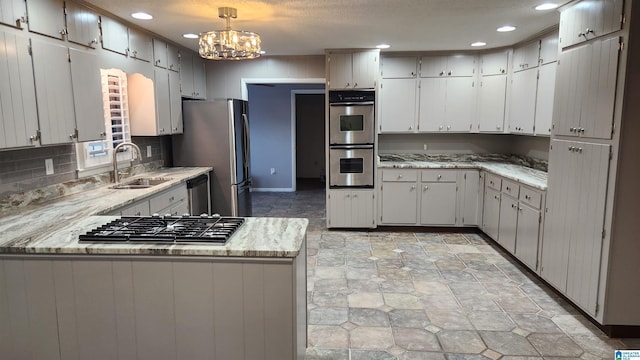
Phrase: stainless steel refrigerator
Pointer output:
(216, 134)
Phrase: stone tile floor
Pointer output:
(427, 295)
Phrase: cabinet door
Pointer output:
(399, 203)
(163, 101)
(186, 74)
(176, 103)
(160, 53)
(137, 209)
(46, 17)
(526, 57)
(340, 71)
(398, 105)
(494, 63)
(569, 91)
(549, 49)
(140, 45)
(173, 58)
(87, 95)
(527, 234)
(471, 210)
(199, 79)
(523, 101)
(491, 212)
(544, 98)
(13, 13)
(394, 67)
(508, 222)
(585, 249)
(491, 103)
(596, 120)
(365, 69)
(339, 208)
(460, 108)
(362, 209)
(82, 25)
(53, 92)
(438, 203)
(432, 104)
(433, 66)
(115, 36)
(461, 65)
(18, 114)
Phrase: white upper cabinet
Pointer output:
(585, 90)
(18, 114)
(87, 95)
(176, 103)
(46, 17)
(449, 65)
(173, 58)
(526, 56)
(590, 19)
(447, 104)
(192, 76)
(115, 36)
(399, 67)
(140, 45)
(496, 63)
(491, 103)
(523, 101)
(544, 98)
(83, 25)
(159, 53)
(398, 105)
(549, 48)
(13, 13)
(358, 70)
(54, 91)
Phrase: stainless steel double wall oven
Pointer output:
(351, 138)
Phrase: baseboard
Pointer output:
(272, 190)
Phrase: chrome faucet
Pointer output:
(115, 160)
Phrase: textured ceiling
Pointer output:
(305, 27)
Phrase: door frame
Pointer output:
(294, 140)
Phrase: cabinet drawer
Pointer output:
(399, 175)
(511, 188)
(439, 175)
(493, 181)
(167, 199)
(530, 197)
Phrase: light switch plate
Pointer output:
(48, 166)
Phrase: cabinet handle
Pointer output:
(413, 74)
(399, 176)
(491, 182)
(73, 136)
(348, 196)
(448, 127)
(519, 208)
(440, 127)
(496, 197)
(513, 206)
(410, 127)
(135, 53)
(581, 34)
(103, 134)
(175, 129)
(441, 73)
(426, 187)
(508, 188)
(355, 85)
(527, 197)
(137, 213)
(439, 177)
(572, 129)
(581, 130)
(355, 196)
(348, 85)
(413, 187)
(171, 198)
(450, 73)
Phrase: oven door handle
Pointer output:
(350, 147)
(363, 103)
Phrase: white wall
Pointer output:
(224, 78)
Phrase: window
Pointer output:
(95, 154)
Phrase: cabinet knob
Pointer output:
(103, 134)
(448, 127)
(426, 187)
(527, 197)
(355, 85)
(72, 136)
(399, 176)
(450, 73)
(508, 188)
(355, 196)
(513, 206)
(348, 196)
(440, 127)
(410, 127)
(175, 129)
(413, 187)
(347, 85)
(93, 42)
(439, 177)
(171, 198)
(441, 73)
(496, 197)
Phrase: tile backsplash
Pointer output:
(24, 169)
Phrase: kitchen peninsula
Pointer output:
(61, 299)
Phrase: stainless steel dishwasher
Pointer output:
(198, 192)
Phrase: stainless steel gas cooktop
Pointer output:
(204, 229)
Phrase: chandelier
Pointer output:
(229, 44)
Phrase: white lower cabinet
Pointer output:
(470, 197)
(399, 202)
(491, 212)
(140, 208)
(351, 209)
(438, 197)
(528, 235)
(172, 201)
(507, 223)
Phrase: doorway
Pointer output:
(309, 112)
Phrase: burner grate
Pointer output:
(166, 229)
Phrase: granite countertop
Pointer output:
(52, 227)
(528, 171)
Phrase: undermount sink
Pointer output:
(141, 183)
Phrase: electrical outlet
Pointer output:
(148, 150)
(424, 147)
(48, 166)
(273, 171)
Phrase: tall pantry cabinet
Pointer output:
(591, 245)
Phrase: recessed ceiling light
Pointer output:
(546, 6)
(141, 16)
(479, 43)
(190, 36)
(383, 46)
(506, 28)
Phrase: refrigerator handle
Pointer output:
(245, 122)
